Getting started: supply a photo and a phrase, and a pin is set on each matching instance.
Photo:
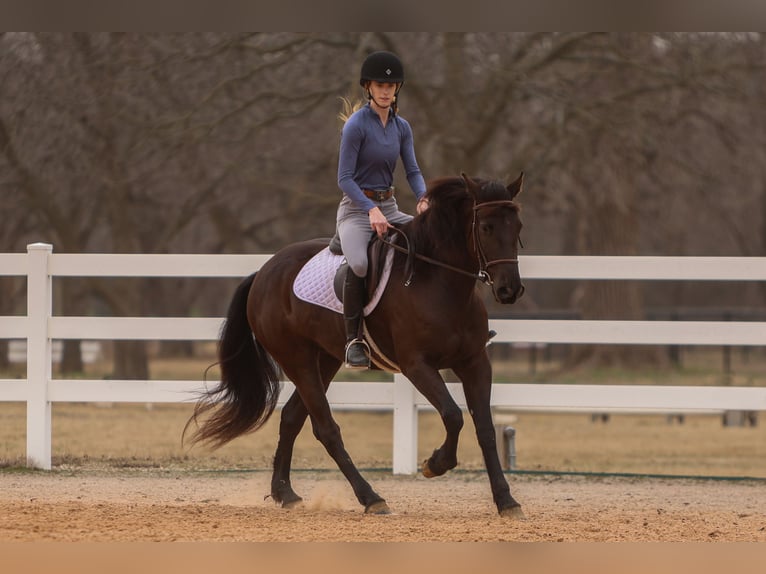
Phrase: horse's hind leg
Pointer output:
(326, 430)
(293, 417)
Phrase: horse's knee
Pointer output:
(453, 419)
(327, 434)
(290, 419)
(291, 424)
(293, 412)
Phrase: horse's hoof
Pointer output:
(426, 470)
(290, 504)
(514, 512)
(378, 507)
(289, 500)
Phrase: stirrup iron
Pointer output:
(366, 346)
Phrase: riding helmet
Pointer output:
(382, 66)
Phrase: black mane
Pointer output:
(445, 222)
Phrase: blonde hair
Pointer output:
(348, 107)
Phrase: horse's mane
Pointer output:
(449, 204)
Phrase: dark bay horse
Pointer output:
(438, 321)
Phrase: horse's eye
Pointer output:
(486, 228)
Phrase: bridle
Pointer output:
(484, 263)
(482, 275)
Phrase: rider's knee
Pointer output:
(359, 267)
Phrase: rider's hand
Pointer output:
(422, 205)
(378, 221)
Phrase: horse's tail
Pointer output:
(247, 394)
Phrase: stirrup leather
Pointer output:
(367, 354)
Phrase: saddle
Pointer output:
(316, 280)
(320, 282)
(376, 251)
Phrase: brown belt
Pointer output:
(379, 194)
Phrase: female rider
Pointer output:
(374, 137)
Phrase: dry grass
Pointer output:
(88, 435)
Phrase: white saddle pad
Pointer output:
(314, 283)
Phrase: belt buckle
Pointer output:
(380, 195)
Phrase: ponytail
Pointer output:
(348, 108)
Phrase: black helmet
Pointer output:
(382, 67)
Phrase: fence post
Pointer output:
(405, 426)
(39, 310)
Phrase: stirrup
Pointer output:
(358, 365)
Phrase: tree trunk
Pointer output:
(69, 301)
(131, 360)
(124, 298)
(171, 349)
(71, 358)
(5, 362)
(611, 229)
(6, 306)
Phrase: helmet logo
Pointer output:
(388, 71)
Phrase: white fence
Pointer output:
(40, 328)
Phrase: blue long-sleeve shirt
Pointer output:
(368, 155)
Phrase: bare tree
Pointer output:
(127, 143)
(228, 143)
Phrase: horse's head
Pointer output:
(496, 228)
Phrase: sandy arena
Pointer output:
(120, 474)
(134, 505)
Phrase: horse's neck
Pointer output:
(458, 254)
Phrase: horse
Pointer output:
(429, 317)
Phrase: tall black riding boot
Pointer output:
(357, 352)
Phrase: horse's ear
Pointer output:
(515, 188)
(470, 185)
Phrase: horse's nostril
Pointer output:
(508, 294)
(505, 295)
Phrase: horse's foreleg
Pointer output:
(294, 415)
(477, 385)
(431, 384)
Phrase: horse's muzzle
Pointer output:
(509, 295)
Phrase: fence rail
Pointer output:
(40, 327)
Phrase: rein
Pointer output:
(408, 271)
(484, 264)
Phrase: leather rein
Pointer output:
(484, 264)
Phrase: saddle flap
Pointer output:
(376, 257)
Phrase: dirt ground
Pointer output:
(133, 505)
(121, 475)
